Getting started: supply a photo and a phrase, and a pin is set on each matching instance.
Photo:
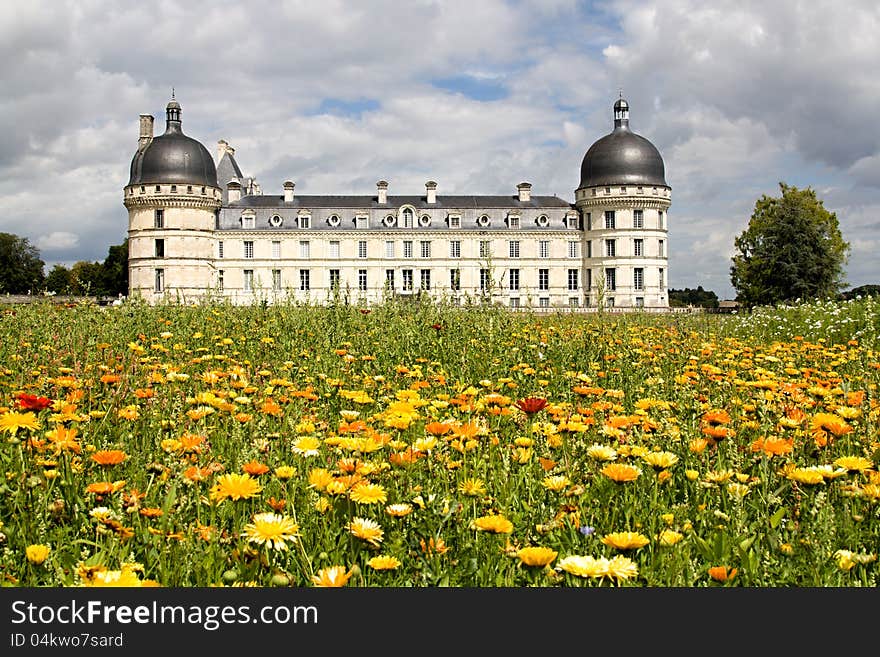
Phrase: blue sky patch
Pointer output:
(351, 108)
(476, 88)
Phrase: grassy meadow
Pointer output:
(422, 445)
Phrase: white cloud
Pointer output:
(57, 241)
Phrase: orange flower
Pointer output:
(192, 442)
(405, 457)
(27, 402)
(255, 468)
(718, 432)
(438, 428)
(432, 546)
(827, 426)
(620, 472)
(63, 439)
(195, 473)
(531, 405)
(109, 457)
(151, 512)
(466, 430)
(102, 488)
(716, 416)
(271, 407)
(773, 446)
(722, 573)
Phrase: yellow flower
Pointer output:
(11, 422)
(384, 562)
(272, 530)
(853, 463)
(625, 540)
(285, 471)
(319, 478)
(847, 560)
(235, 487)
(620, 472)
(601, 452)
(806, 476)
(307, 446)
(368, 494)
(738, 490)
(367, 530)
(621, 567)
(126, 576)
(398, 510)
(556, 482)
(668, 537)
(584, 566)
(660, 459)
(494, 523)
(536, 556)
(333, 576)
(37, 554)
(472, 487)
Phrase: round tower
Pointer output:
(172, 198)
(623, 199)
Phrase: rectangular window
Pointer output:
(334, 279)
(276, 249)
(638, 219)
(513, 221)
(455, 249)
(362, 280)
(407, 249)
(362, 248)
(159, 283)
(544, 249)
(425, 283)
(514, 302)
(589, 282)
(573, 279)
(362, 222)
(589, 248)
(640, 302)
(334, 249)
(484, 280)
(425, 249)
(609, 219)
(160, 248)
(248, 249)
(305, 249)
(407, 280)
(276, 280)
(543, 279)
(590, 218)
(662, 280)
(661, 248)
(248, 280)
(660, 219)
(513, 248)
(572, 221)
(572, 249)
(544, 302)
(454, 221)
(609, 302)
(638, 278)
(611, 279)
(159, 218)
(248, 222)
(514, 279)
(389, 279)
(220, 280)
(305, 221)
(389, 248)
(305, 280)
(485, 248)
(573, 302)
(455, 279)
(219, 249)
(610, 248)
(638, 247)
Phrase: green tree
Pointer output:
(58, 279)
(792, 249)
(87, 278)
(689, 297)
(115, 270)
(21, 269)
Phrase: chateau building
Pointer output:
(199, 228)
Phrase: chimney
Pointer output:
(222, 147)
(382, 190)
(431, 191)
(146, 130)
(525, 192)
(288, 191)
(233, 193)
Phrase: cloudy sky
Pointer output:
(477, 95)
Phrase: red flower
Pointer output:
(28, 402)
(365, 311)
(437, 327)
(531, 405)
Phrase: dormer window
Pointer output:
(543, 221)
(454, 221)
(173, 189)
(333, 220)
(248, 221)
(571, 221)
(189, 189)
(425, 220)
(407, 218)
(513, 221)
(483, 220)
(389, 220)
(304, 221)
(159, 189)
(361, 221)
(275, 221)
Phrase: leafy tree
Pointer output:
(58, 279)
(688, 297)
(21, 269)
(792, 249)
(861, 291)
(115, 270)
(87, 278)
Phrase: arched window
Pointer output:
(407, 218)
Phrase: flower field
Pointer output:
(421, 445)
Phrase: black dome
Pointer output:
(622, 157)
(173, 157)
